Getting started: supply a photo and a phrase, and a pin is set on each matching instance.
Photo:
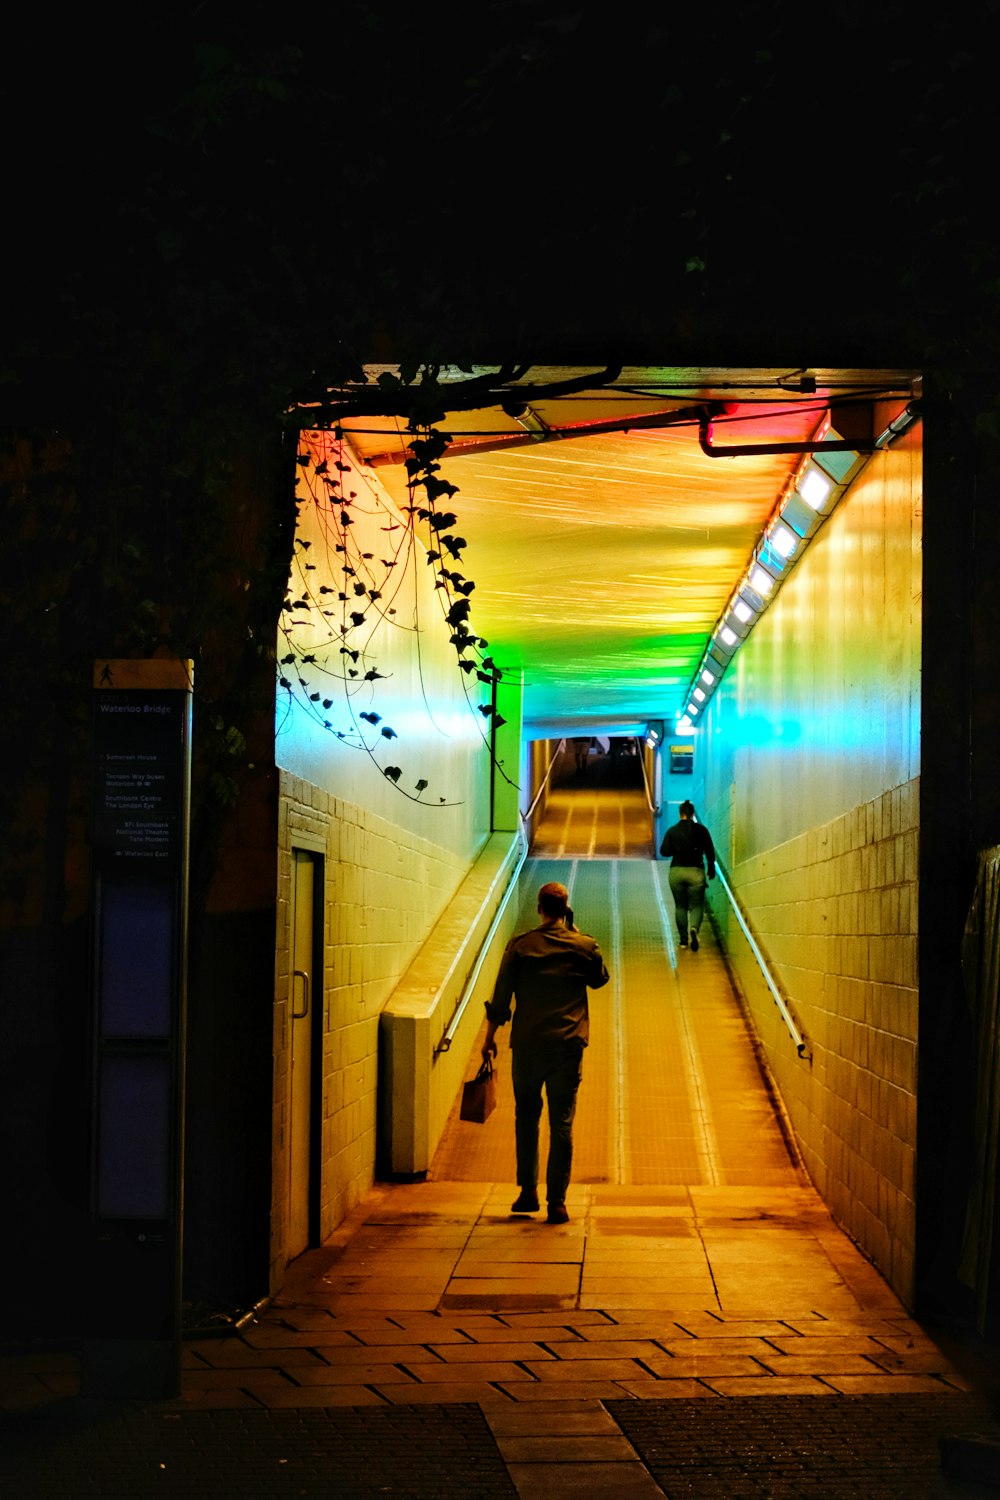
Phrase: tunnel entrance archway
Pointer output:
(613, 546)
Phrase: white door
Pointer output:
(300, 1113)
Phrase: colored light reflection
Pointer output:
(815, 488)
(784, 541)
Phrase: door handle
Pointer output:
(299, 1015)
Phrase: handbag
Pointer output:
(479, 1095)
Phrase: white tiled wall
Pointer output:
(834, 910)
(383, 892)
(809, 770)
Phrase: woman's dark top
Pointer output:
(690, 844)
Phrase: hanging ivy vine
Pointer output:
(345, 595)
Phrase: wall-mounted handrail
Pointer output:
(484, 948)
(793, 1030)
(645, 781)
(559, 748)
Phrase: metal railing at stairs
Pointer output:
(801, 1046)
(470, 984)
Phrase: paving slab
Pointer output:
(799, 1448)
(365, 1453)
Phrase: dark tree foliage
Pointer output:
(214, 218)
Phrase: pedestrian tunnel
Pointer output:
(765, 657)
(674, 1093)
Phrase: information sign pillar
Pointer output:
(142, 754)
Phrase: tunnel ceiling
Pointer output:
(602, 559)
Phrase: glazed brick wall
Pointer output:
(809, 776)
(384, 889)
(835, 911)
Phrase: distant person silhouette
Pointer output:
(689, 847)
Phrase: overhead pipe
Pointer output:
(747, 450)
(895, 429)
(537, 432)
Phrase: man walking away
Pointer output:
(546, 973)
(689, 845)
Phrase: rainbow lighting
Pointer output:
(812, 494)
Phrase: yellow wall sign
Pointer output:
(681, 760)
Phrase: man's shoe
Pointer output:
(557, 1214)
(527, 1203)
(694, 942)
(684, 942)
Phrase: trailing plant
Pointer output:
(345, 594)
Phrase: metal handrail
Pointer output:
(559, 748)
(645, 781)
(793, 1030)
(470, 984)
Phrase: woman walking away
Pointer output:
(689, 846)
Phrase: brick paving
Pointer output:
(699, 1327)
(795, 1448)
(440, 1453)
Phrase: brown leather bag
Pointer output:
(479, 1095)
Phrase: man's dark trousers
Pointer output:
(558, 1066)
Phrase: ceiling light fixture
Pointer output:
(833, 459)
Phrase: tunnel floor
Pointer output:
(452, 1348)
(672, 1093)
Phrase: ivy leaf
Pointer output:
(357, 618)
(389, 734)
(445, 518)
(286, 659)
(374, 594)
(387, 562)
(433, 557)
(454, 543)
(393, 772)
(467, 666)
(421, 786)
(436, 488)
(371, 675)
(284, 682)
(485, 709)
(372, 718)
(465, 588)
(314, 697)
(359, 588)
(327, 702)
(498, 720)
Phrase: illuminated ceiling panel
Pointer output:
(602, 562)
